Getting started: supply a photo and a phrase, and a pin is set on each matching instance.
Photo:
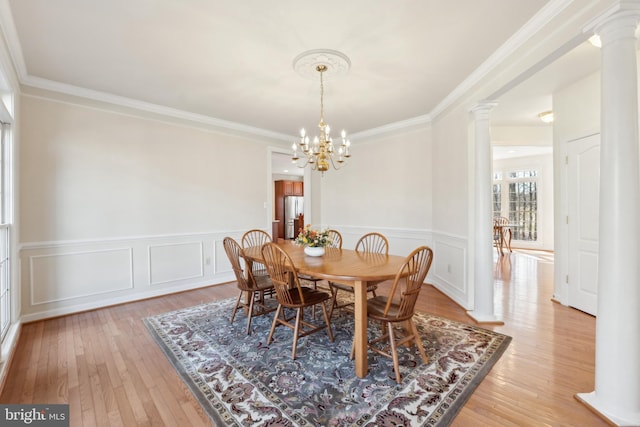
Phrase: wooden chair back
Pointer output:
(255, 238)
(406, 289)
(500, 221)
(373, 242)
(235, 254)
(283, 275)
(336, 238)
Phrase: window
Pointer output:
(516, 197)
(497, 200)
(5, 230)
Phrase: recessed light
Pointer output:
(546, 116)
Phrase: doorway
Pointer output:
(286, 181)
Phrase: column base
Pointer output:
(485, 318)
(591, 401)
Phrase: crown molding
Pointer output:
(121, 101)
(532, 27)
(392, 127)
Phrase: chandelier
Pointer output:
(321, 153)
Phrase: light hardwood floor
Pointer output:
(107, 367)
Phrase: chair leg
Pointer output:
(353, 349)
(418, 340)
(235, 307)
(274, 323)
(327, 320)
(334, 299)
(394, 352)
(250, 316)
(296, 331)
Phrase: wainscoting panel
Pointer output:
(64, 276)
(449, 270)
(175, 261)
(59, 278)
(450, 267)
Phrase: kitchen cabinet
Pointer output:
(290, 188)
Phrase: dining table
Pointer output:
(349, 267)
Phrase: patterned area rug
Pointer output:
(241, 381)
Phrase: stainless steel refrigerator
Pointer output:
(293, 207)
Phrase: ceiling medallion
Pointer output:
(320, 154)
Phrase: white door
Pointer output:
(583, 187)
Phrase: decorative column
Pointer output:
(617, 377)
(482, 224)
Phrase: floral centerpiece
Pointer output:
(313, 238)
(313, 241)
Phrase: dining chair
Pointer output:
(256, 237)
(375, 243)
(399, 307)
(336, 238)
(500, 229)
(292, 295)
(251, 287)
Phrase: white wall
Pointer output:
(386, 187)
(577, 114)
(452, 160)
(116, 207)
(522, 135)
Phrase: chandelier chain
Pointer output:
(321, 96)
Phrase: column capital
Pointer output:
(482, 109)
(483, 106)
(622, 13)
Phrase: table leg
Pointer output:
(360, 331)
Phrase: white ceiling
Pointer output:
(230, 62)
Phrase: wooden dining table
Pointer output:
(347, 267)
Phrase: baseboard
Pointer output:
(79, 308)
(11, 344)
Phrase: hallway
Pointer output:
(550, 359)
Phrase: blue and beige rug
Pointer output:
(241, 381)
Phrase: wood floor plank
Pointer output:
(107, 367)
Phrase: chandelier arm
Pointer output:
(334, 164)
(302, 166)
